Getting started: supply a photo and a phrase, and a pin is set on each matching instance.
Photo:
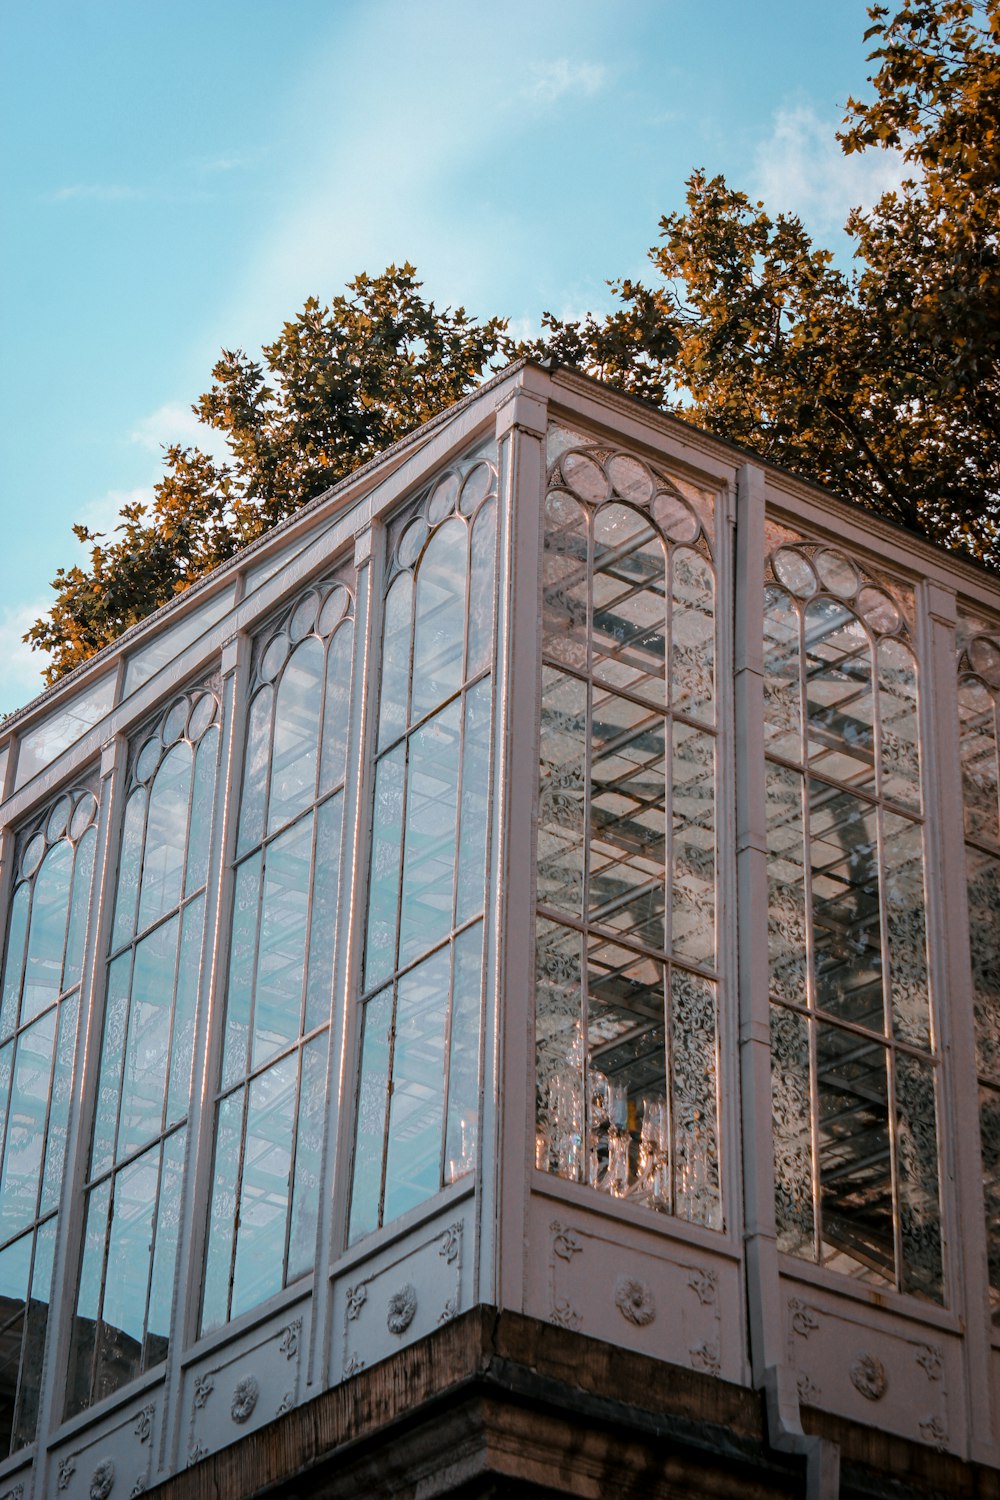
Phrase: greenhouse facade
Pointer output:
(501, 987)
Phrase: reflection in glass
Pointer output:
(147, 1044)
(978, 742)
(418, 1091)
(839, 704)
(854, 1159)
(626, 1044)
(792, 1134)
(53, 870)
(782, 676)
(843, 861)
(265, 1196)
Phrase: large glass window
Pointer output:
(854, 1063)
(418, 1101)
(125, 1293)
(626, 942)
(979, 719)
(39, 1011)
(271, 1107)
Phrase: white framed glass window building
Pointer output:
(556, 873)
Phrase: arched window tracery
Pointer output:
(854, 1057)
(134, 1178)
(626, 942)
(271, 1102)
(46, 937)
(418, 1090)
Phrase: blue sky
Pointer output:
(178, 177)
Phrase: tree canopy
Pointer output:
(882, 381)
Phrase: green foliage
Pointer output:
(883, 384)
(337, 386)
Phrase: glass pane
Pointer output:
(267, 1158)
(36, 1324)
(147, 1052)
(562, 792)
(373, 1100)
(47, 933)
(429, 849)
(839, 694)
(41, 745)
(628, 1114)
(222, 1220)
(83, 874)
(394, 696)
(482, 589)
(692, 883)
(323, 924)
(308, 1159)
(989, 1130)
(128, 868)
(475, 802)
(167, 644)
(337, 708)
(88, 1302)
(416, 1104)
(168, 1218)
(17, 935)
(281, 953)
(463, 1060)
(922, 1270)
(845, 901)
(256, 770)
(984, 944)
(906, 928)
(898, 723)
(439, 624)
(202, 810)
(296, 734)
(790, 1104)
(62, 1087)
(383, 889)
(15, 1269)
(697, 1193)
(185, 1009)
(559, 1144)
(242, 962)
(979, 758)
(786, 885)
(166, 836)
(627, 793)
(25, 1139)
(126, 1286)
(565, 582)
(629, 603)
(855, 1167)
(782, 667)
(112, 1050)
(692, 636)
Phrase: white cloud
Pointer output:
(553, 80)
(174, 422)
(95, 192)
(801, 169)
(21, 679)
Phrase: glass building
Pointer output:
(501, 986)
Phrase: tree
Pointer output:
(337, 386)
(883, 383)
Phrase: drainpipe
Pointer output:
(771, 1371)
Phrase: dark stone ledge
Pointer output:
(497, 1405)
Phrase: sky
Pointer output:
(177, 178)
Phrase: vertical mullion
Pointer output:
(244, 1087)
(449, 1018)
